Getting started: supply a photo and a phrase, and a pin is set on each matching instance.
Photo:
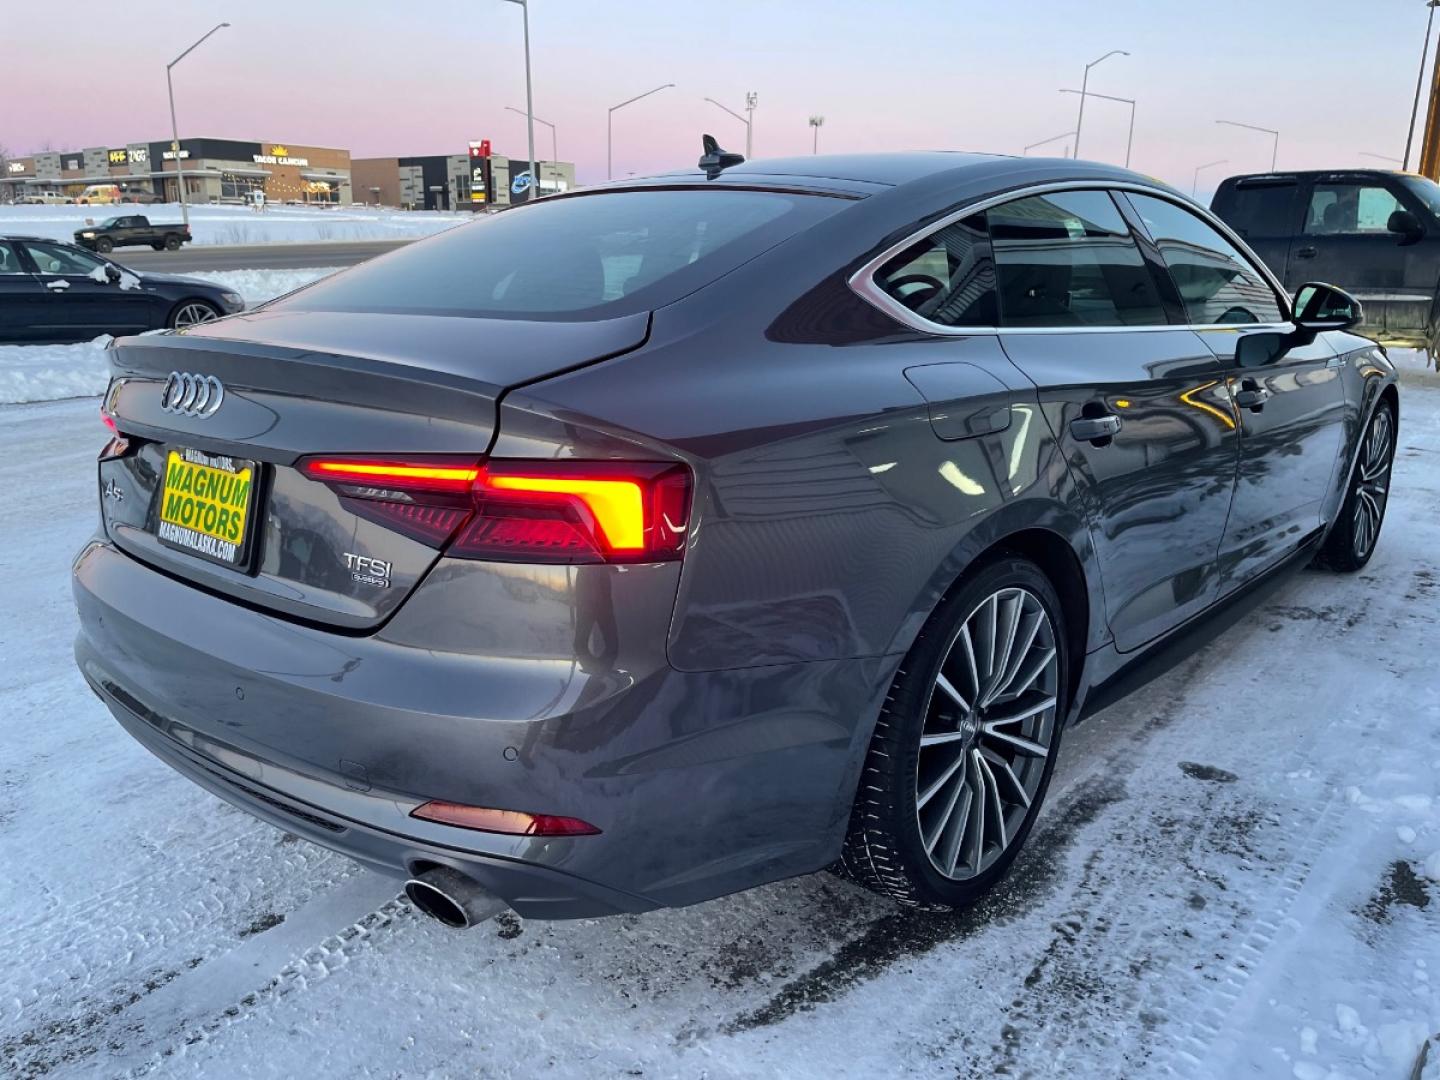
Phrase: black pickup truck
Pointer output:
(1374, 233)
(131, 230)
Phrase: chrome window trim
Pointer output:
(862, 281)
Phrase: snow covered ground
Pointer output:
(50, 372)
(239, 225)
(1236, 875)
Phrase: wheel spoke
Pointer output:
(1009, 627)
(940, 738)
(944, 818)
(976, 838)
(1000, 767)
(997, 811)
(1025, 680)
(970, 658)
(1036, 621)
(930, 792)
(1028, 747)
(955, 834)
(1014, 718)
(987, 629)
(949, 689)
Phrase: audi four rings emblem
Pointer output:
(192, 395)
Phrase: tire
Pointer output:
(913, 832)
(192, 313)
(172, 242)
(1356, 531)
(158, 246)
(104, 245)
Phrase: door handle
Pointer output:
(1252, 396)
(59, 284)
(1095, 429)
(1306, 252)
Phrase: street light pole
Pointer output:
(816, 123)
(175, 128)
(529, 98)
(751, 100)
(737, 116)
(1084, 89)
(1195, 184)
(1419, 84)
(1275, 153)
(1130, 142)
(554, 143)
(610, 127)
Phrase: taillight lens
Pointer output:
(520, 511)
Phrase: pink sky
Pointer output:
(380, 77)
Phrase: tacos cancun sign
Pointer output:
(280, 155)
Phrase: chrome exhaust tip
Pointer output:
(452, 898)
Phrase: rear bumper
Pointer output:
(703, 783)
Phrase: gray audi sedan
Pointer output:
(654, 541)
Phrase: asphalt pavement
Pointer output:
(255, 256)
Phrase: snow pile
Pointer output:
(50, 372)
(239, 225)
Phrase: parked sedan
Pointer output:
(655, 541)
(51, 291)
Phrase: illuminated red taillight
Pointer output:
(510, 822)
(520, 511)
(108, 421)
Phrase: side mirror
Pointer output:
(1406, 225)
(112, 274)
(1320, 307)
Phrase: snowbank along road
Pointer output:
(1235, 877)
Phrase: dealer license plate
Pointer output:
(206, 503)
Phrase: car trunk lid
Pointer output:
(268, 389)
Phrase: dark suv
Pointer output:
(1374, 233)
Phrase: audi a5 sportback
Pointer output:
(51, 291)
(651, 542)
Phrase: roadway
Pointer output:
(280, 256)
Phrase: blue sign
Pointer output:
(520, 183)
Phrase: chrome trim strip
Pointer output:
(862, 281)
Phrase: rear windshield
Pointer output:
(582, 257)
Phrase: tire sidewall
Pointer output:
(1346, 555)
(913, 698)
(104, 246)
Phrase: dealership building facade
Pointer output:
(450, 181)
(214, 170)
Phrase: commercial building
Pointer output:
(214, 170)
(447, 181)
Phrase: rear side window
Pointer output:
(948, 277)
(9, 259)
(1217, 284)
(584, 257)
(1068, 259)
(1260, 210)
(1336, 209)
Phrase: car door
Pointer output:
(1289, 402)
(1346, 240)
(78, 299)
(1265, 212)
(20, 296)
(1138, 402)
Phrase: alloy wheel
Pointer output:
(194, 314)
(1372, 483)
(989, 727)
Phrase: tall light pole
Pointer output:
(1130, 142)
(1419, 83)
(1046, 142)
(529, 97)
(554, 143)
(816, 123)
(1274, 153)
(744, 120)
(610, 127)
(175, 128)
(1085, 88)
(751, 100)
(1195, 184)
